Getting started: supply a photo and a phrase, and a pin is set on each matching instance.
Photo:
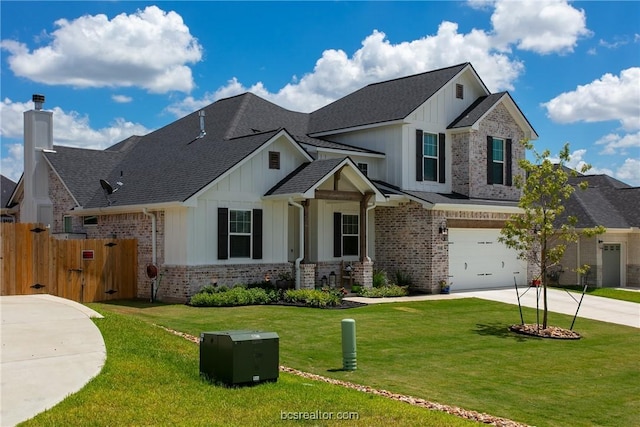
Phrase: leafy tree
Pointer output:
(541, 233)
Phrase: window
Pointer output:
(89, 220)
(459, 91)
(239, 234)
(497, 156)
(430, 153)
(67, 224)
(364, 168)
(274, 160)
(350, 233)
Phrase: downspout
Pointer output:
(153, 250)
(367, 258)
(299, 260)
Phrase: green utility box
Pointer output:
(239, 357)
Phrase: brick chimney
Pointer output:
(38, 136)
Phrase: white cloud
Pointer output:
(629, 172)
(619, 144)
(70, 129)
(11, 165)
(608, 98)
(121, 99)
(336, 73)
(541, 26)
(93, 51)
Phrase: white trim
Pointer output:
(193, 200)
(476, 208)
(349, 152)
(112, 210)
(356, 128)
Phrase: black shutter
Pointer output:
(441, 158)
(489, 160)
(223, 233)
(419, 156)
(257, 234)
(337, 234)
(508, 163)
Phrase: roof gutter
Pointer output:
(112, 210)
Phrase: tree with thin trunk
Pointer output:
(541, 233)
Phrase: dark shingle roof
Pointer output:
(606, 201)
(381, 102)
(81, 169)
(476, 110)
(6, 188)
(446, 198)
(304, 177)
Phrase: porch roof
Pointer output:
(303, 181)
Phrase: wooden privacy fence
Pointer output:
(83, 270)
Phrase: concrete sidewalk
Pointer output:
(596, 308)
(50, 348)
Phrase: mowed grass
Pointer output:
(151, 378)
(455, 352)
(613, 293)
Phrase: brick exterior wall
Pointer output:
(179, 282)
(308, 276)
(469, 157)
(62, 202)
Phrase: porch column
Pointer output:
(364, 203)
(305, 229)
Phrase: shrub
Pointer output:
(238, 295)
(380, 279)
(312, 297)
(384, 291)
(403, 278)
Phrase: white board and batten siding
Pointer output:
(191, 232)
(477, 260)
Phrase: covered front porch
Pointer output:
(331, 228)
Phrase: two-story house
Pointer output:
(413, 175)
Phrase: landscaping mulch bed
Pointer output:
(453, 410)
(554, 332)
(343, 305)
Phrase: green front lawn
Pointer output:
(456, 352)
(613, 293)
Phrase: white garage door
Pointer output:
(478, 260)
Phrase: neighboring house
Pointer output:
(613, 257)
(7, 187)
(413, 175)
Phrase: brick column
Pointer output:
(307, 276)
(363, 273)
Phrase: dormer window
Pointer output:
(459, 91)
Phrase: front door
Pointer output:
(611, 265)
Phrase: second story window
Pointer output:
(459, 91)
(364, 168)
(430, 153)
(274, 160)
(497, 159)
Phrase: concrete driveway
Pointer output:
(50, 348)
(596, 308)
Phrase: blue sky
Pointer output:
(113, 69)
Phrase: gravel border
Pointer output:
(453, 410)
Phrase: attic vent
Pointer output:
(459, 91)
(274, 160)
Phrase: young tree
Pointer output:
(539, 234)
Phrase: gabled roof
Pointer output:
(6, 188)
(80, 169)
(382, 102)
(309, 176)
(606, 201)
(484, 105)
